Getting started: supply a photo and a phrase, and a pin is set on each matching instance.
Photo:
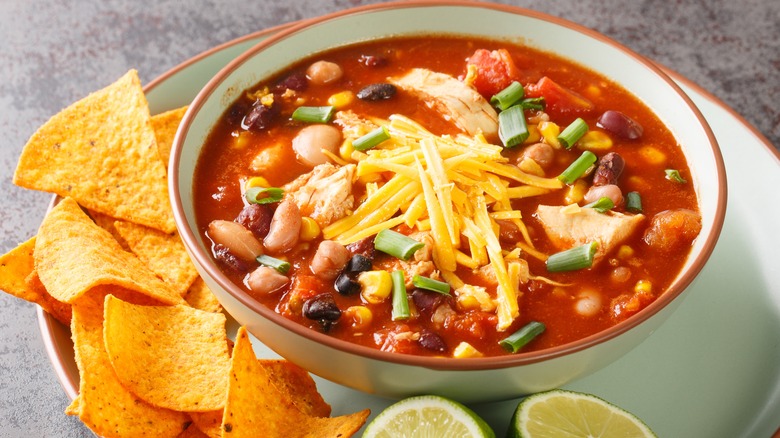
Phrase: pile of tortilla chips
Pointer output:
(150, 340)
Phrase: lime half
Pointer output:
(560, 413)
(427, 416)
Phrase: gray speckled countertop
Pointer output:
(55, 52)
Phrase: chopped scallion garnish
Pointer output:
(579, 257)
(280, 265)
(602, 205)
(400, 299)
(578, 167)
(533, 103)
(396, 244)
(430, 284)
(572, 133)
(517, 340)
(633, 202)
(372, 139)
(508, 96)
(674, 175)
(313, 114)
(512, 127)
(263, 195)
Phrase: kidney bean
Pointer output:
(329, 260)
(322, 308)
(364, 247)
(324, 72)
(373, 60)
(620, 125)
(374, 92)
(223, 255)
(507, 231)
(295, 82)
(431, 341)
(266, 280)
(259, 117)
(542, 153)
(285, 227)
(610, 191)
(236, 238)
(426, 301)
(311, 140)
(608, 169)
(256, 218)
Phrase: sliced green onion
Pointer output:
(579, 257)
(280, 265)
(313, 114)
(633, 202)
(400, 299)
(517, 340)
(372, 139)
(512, 127)
(534, 103)
(572, 133)
(508, 96)
(396, 244)
(430, 284)
(578, 167)
(602, 205)
(263, 195)
(674, 175)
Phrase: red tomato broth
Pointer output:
(222, 166)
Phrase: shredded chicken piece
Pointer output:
(325, 193)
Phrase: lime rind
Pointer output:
(426, 416)
(575, 414)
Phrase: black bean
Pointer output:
(223, 255)
(431, 341)
(363, 247)
(426, 301)
(620, 125)
(259, 117)
(295, 82)
(608, 169)
(256, 218)
(346, 285)
(358, 263)
(373, 60)
(376, 92)
(322, 308)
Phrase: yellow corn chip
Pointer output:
(73, 255)
(255, 406)
(59, 310)
(163, 253)
(104, 405)
(165, 126)
(200, 297)
(193, 432)
(297, 385)
(106, 222)
(102, 152)
(209, 423)
(174, 357)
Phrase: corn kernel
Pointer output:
(375, 286)
(359, 317)
(625, 252)
(593, 91)
(576, 192)
(550, 131)
(342, 99)
(595, 141)
(241, 140)
(530, 166)
(643, 287)
(534, 136)
(310, 229)
(346, 149)
(256, 181)
(267, 100)
(465, 350)
(652, 155)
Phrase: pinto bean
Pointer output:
(311, 140)
(236, 238)
(542, 153)
(285, 228)
(329, 260)
(266, 280)
(610, 191)
(608, 169)
(324, 72)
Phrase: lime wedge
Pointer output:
(572, 414)
(428, 416)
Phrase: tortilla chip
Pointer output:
(209, 423)
(163, 253)
(74, 408)
(174, 357)
(201, 297)
(193, 432)
(101, 151)
(255, 407)
(18, 278)
(73, 255)
(165, 126)
(297, 385)
(105, 406)
(106, 222)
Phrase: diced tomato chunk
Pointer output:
(626, 305)
(495, 71)
(559, 101)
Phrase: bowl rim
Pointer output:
(191, 240)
